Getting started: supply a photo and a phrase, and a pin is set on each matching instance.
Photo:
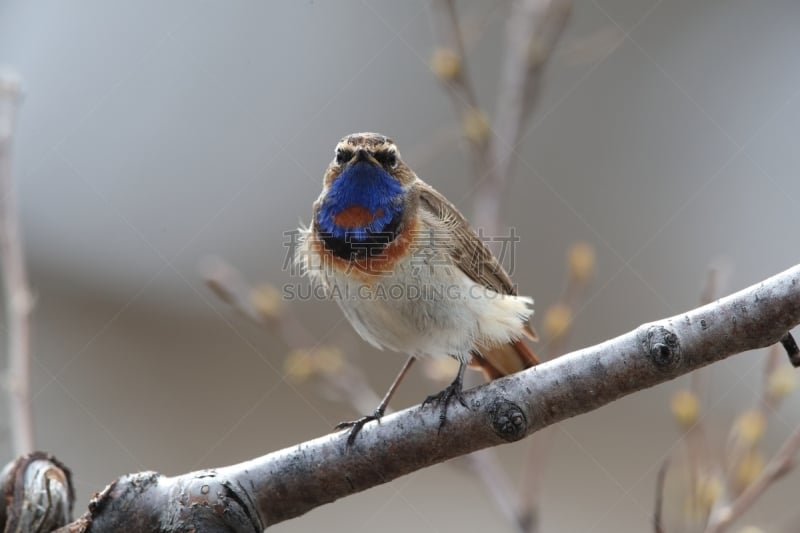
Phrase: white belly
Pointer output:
(424, 310)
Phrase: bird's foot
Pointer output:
(356, 425)
(443, 399)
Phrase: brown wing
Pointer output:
(469, 252)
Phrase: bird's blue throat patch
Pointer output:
(362, 203)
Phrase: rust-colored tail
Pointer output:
(504, 360)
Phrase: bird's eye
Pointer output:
(387, 158)
(343, 156)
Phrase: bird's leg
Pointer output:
(356, 425)
(454, 390)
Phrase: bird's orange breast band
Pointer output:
(376, 264)
(356, 216)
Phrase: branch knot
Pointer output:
(663, 348)
(508, 420)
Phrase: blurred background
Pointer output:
(153, 135)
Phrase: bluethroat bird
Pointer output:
(409, 272)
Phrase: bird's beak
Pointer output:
(363, 155)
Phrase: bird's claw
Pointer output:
(356, 426)
(443, 399)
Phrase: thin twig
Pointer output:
(229, 286)
(658, 522)
(777, 467)
(498, 486)
(579, 275)
(348, 382)
(736, 450)
(576, 285)
(533, 477)
(462, 95)
(17, 295)
(697, 449)
(533, 28)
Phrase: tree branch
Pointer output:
(253, 495)
(37, 494)
(15, 284)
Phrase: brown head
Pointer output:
(373, 147)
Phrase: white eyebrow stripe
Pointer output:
(385, 147)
